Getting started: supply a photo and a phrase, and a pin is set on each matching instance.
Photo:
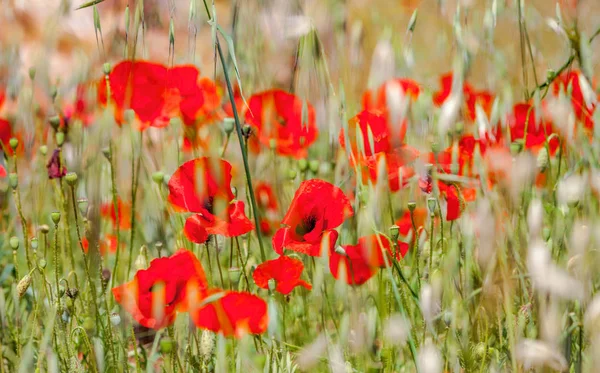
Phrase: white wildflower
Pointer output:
(535, 354)
(396, 329)
(429, 359)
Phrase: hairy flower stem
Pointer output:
(135, 175)
(115, 201)
(238, 128)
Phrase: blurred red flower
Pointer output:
(282, 120)
(230, 313)
(284, 270)
(107, 210)
(524, 125)
(54, 166)
(584, 112)
(6, 133)
(157, 93)
(398, 164)
(471, 97)
(267, 206)
(317, 208)
(368, 134)
(203, 186)
(155, 294)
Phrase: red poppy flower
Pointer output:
(405, 226)
(465, 151)
(106, 244)
(368, 134)
(155, 93)
(107, 210)
(398, 166)
(374, 247)
(471, 97)
(318, 208)
(455, 197)
(155, 294)
(284, 270)
(352, 265)
(283, 119)
(267, 205)
(202, 186)
(230, 313)
(524, 126)
(376, 99)
(583, 112)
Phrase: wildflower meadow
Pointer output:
(299, 186)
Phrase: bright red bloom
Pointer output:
(230, 313)
(523, 126)
(471, 97)
(107, 210)
(284, 270)
(465, 151)
(156, 93)
(202, 186)
(317, 209)
(155, 294)
(376, 99)
(583, 112)
(268, 207)
(282, 119)
(368, 134)
(398, 166)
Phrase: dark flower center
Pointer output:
(307, 225)
(209, 204)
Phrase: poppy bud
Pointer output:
(32, 73)
(44, 229)
(71, 178)
(431, 204)
(60, 138)
(542, 159)
(42, 263)
(83, 205)
(412, 205)
(550, 74)
(166, 345)
(246, 130)
(394, 232)
(34, 243)
(72, 293)
(13, 180)
(158, 177)
(292, 173)
(106, 68)
(435, 148)
(313, 165)
(55, 122)
(55, 216)
(228, 125)
(14, 243)
(23, 285)
(302, 165)
(546, 233)
(14, 142)
(44, 149)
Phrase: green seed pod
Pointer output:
(14, 142)
(13, 180)
(158, 177)
(106, 68)
(394, 232)
(54, 122)
(166, 345)
(302, 165)
(292, 173)
(228, 125)
(431, 204)
(44, 149)
(14, 243)
(71, 178)
(60, 138)
(412, 205)
(313, 165)
(55, 216)
(83, 205)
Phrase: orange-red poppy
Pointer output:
(285, 271)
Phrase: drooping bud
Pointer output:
(42, 263)
(292, 173)
(23, 285)
(166, 345)
(542, 159)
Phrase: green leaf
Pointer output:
(89, 4)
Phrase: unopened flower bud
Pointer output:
(44, 149)
(13, 142)
(42, 263)
(14, 243)
(394, 232)
(105, 276)
(54, 122)
(158, 177)
(302, 165)
(115, 319)
(516, 147)
(106, 68)
(34, 243)
(55, 216)
(550, 74)
(246, 130)
(166, 345)
(60, 138)
(23, 285)
(431, 204)
(313, 166)
(71, 178)
(61, 291)
(228, 125)
(292, 173)
(13, 179)
(207, 344)
(435, 147)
